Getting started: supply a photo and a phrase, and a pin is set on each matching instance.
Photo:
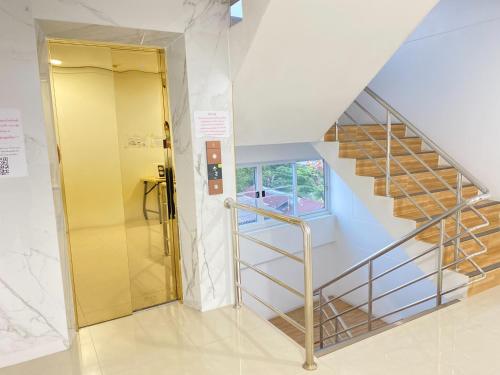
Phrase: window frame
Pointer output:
(263, 222)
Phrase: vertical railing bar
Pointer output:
(458, 218)
(376, 163)
(336, 330)
(408, 149)
(433, 145)
(440, 254)
(321, 343)
(370, 294)
(236, 256)
(309, 363)
(388, 156)
(294, 189)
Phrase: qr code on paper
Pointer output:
(4, 166)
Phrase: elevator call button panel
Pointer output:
(214, 167)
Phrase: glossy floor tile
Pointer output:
(173, 339)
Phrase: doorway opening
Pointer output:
(111, 119)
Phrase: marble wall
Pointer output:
(35, 298)
(33, 318)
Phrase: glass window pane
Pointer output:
(236, 11)
(245, 192)
(277, 182)
(310, 186)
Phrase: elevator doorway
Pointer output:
(111, 121)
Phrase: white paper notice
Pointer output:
(212, 124)
(12, 149)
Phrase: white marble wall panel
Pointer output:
(33, 317)
(210, 89)
(32, 305)
(181, 123)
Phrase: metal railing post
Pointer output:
(458, 217)
(370, 294)
(321, 344)
(440, 254)
(336, 330)
(309, 363)
(388, 156)
(236, 257)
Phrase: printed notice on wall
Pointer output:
(212, 124)
(12, 148)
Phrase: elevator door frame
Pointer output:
(169, 161)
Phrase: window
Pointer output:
(246, 191)
(291, 188)
(236, 11)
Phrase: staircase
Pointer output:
(446, 230)
(451, 212)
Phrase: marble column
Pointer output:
(200, 81)
(33, 318)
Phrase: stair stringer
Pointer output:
(382, 210)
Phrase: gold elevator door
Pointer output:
(110, 110)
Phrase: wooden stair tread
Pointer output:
(425, 178)
(358, 149)
(492, 279)
(434, 191)
(485, 204)
(419, 217)
(367, 167)
(469, 218)
(439, 168)
(352, 318)
(353, 132)
(402, 156)
(405, 208)
(406, 137)
(431, 235)
(352, 136)
(490, 238)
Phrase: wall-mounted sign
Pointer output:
(12, 147)
(212, 124)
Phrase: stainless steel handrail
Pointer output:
(459, 167)
(410, 175)
(403, 240)
(308, 328)
(433, 220)
(461, 172)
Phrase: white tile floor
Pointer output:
(172, 339)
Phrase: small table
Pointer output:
(150, 184)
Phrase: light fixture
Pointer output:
(55, 62)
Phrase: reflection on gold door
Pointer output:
(110, 114)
